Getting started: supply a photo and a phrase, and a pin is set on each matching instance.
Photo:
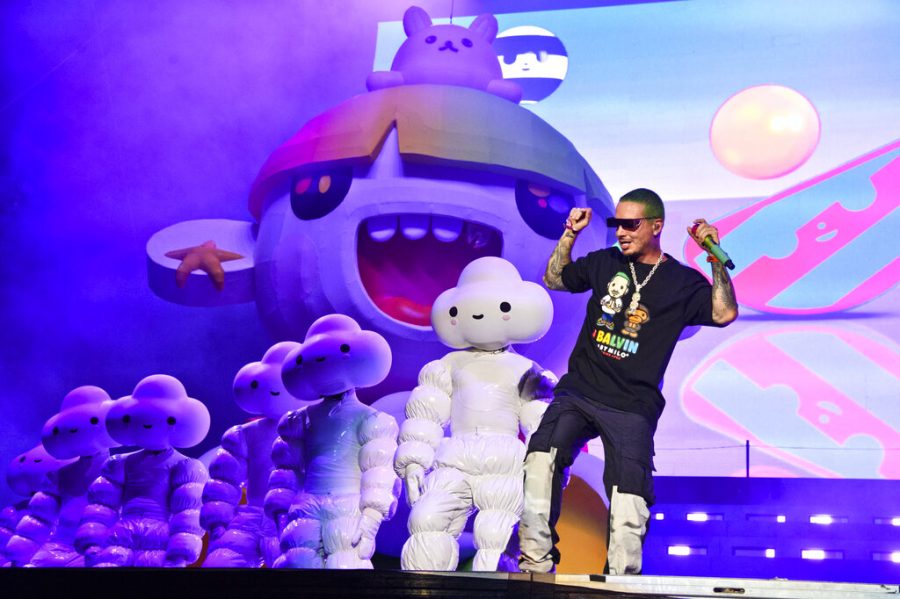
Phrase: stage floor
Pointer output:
(272, 584)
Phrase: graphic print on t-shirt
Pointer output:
(611, 304)
(634, 319)
(625, 344)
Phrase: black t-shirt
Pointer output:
(620, 357)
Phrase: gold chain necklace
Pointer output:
(636, 296)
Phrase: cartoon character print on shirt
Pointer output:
(625, 344)
(611, 304)
(634, 319)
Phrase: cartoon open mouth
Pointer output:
(407, 260)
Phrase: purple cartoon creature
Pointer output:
(241, 536)
(144, 508)
(46, 536)
(333, 484)
(375, 207)
(27, 474)
(447, 54)
(487, 394)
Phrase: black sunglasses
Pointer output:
(629, 224)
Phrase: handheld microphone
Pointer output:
(713, 248)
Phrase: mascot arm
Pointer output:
(9, 518)
(380, 486)
(36, 523)
(227, 474)
(427, 413)
(186, 482)
(536, 390)
(288, 472)
(102, 510)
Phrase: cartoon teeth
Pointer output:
(414, 227)
(381, 228)
(446, 228)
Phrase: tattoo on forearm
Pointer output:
(561, 256)
(723, 289)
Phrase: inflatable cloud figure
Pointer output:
(333, 484)
(241, 536)
(27, 474)
(487, 394)
(447, 54)
(375, 207)
(144, 508)
(45, 536)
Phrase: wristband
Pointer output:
(710, 258)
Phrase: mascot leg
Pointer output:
(436, 521)
(301, 540)
(339, 524)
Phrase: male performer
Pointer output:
(612, 388)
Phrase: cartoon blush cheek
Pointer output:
(453, 321)
(505, 317)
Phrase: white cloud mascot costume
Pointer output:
(241, 536)
(486, 392)
(144, 508)
(333, 484)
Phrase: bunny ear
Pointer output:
(485, 26)
(415, 19)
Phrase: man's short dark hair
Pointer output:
(652, 203)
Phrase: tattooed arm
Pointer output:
(724, 303)
(562, 253)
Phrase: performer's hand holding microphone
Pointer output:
(707, 237)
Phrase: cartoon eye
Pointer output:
(466, 42)
(509, 58)
(95, 420)
(543, 209)
(315, 195)
(38, 460)
(453, 312)
(170, 420)
(542, 56)
(254, 384)
(126, 418)
(21, 459)
(345, 348)
(55, 430)
(430, 39)
(299, 360)
(505, 307)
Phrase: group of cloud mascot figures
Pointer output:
(309, 482)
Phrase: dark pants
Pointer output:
(571, 421)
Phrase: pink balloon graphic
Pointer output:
(765, 131)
